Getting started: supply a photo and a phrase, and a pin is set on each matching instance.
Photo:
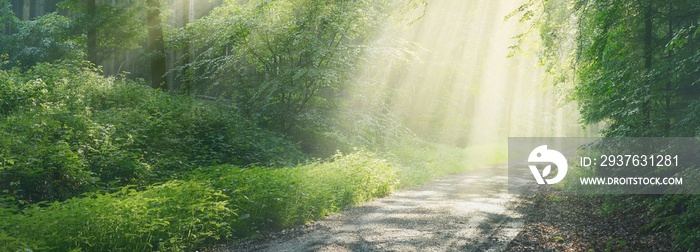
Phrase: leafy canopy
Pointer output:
(280, 59)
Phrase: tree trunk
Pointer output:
(156, 47)
(186, 85)
(26, 9)
(91, 32)
(39, 8)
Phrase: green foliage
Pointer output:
(633, 65)
(678, 213)
(199, 132)
(351, 129)
(638, 73)
(9, 243)
(67, 130)
(420, 162)
(8, 22)
(215, 203)
(173, 216)
(61, 35)
(16, 91)
(119, 25)
(45, 39)
(93, 163)
(280, 60)
(39, 159)
(274, 198)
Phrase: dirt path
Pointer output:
(467, 212)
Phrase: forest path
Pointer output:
(466, 212)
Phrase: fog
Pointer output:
(452, 80)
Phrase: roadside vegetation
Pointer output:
(632, 67)
(99, 163)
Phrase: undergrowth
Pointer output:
(213, 203)
(218, 202)
(420, 162)
(93, 163)
(66, 130)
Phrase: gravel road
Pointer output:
(465, 212)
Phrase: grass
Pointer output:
(420, 162)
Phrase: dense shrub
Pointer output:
(348, 129)
(47, 38)
(177, 133)
(66, 130)
(679, 214)
(215, 203)
(274, 198)
(169, 217)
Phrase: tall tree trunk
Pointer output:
(39, 8)
(156, 47)
(91, 32)
(186, 75)
(26, 9)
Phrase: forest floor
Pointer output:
(585, 223)
(468, 212)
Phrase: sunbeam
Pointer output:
(457, 85)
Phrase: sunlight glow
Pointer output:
(453, 83)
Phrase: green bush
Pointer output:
(679, 214)
(178, 133)
(274, 198)
(67, 130)
(16, 92)
(348, 129)
(172, 216)
(216, 202)
(46, 38)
